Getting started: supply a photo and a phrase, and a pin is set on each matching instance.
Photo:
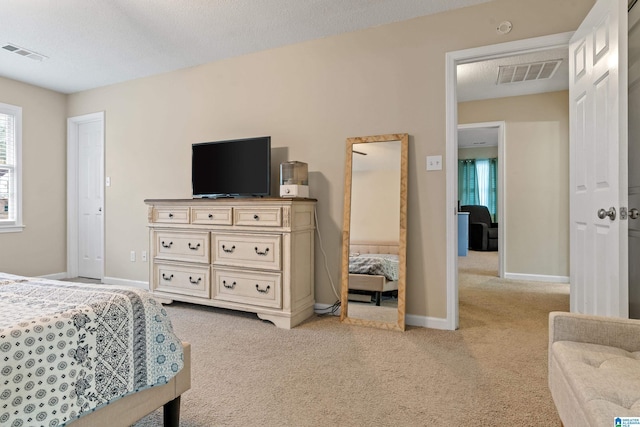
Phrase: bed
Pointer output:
(373, 268)
(86, 355)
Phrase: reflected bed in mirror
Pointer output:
(374, 231)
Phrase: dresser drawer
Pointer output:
(191, 280)
(258, 217)
(183, 246)
(171, 215)
(247, 250)
(263, 289)
(212, 216)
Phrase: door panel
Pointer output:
(90, 200)
(598, 153)
(634, 161)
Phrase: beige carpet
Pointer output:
(491, 372)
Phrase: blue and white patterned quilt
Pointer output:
(67, 349)
(376, 264)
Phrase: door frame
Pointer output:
(73, 124)
(452, 60)
(502, 243)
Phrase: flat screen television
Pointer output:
(234, 168)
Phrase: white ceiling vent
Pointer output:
(527, 72)
(24, 52)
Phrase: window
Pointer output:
(478, 184)
(10, 168)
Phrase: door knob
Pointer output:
(634, 213)
(611, 213)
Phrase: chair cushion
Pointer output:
(492, 233)
(477, 213)
(605, 381)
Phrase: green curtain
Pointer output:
(492, 199)
(478, 184)
(468, 193)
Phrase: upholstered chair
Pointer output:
(483, 233)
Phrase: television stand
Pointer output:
(248, 254)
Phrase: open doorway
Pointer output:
(480, 197)
(457, 113)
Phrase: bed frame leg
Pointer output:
(378, 298)
(172, 413)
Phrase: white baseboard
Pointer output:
(55, 276)
(126, 282)
(537, 277)
(410, 319)
(426, 322)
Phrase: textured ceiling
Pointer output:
(93, 43)
(377, 156)
(478, 137)
(478, 80)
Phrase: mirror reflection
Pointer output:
(374, 235)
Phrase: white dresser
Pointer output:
(253, 255)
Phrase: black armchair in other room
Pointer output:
(483, 234)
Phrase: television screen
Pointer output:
(240, 167)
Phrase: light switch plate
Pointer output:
(434, 163)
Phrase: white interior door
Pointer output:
(634, 161)
(90, 199)
(598, 170)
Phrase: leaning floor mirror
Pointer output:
(374, 232)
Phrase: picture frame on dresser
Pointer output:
(249, 254)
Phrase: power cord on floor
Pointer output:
(333, 308)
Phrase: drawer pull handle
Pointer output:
(166, 245)
(229, 251)
(264, 253)
(263, 291)
(167, 278)
(256, 217)
(170, 215)
(210, 216)
(194, 248)
(195, 282)
(231, 286)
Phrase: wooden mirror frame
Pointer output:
(402, 241)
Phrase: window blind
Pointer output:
(7, 166)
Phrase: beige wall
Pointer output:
(309, 97)
(40, 248)
(375, 206)
(537, 178)
(477, 153)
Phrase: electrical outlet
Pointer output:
(143, 255)
(434, 163)
(133, 256)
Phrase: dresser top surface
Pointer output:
(228, 200)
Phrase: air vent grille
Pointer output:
(527, 72)
(24, 52)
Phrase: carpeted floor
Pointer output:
(491, 372)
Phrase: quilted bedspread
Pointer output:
(67, 349)
(378, 264)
